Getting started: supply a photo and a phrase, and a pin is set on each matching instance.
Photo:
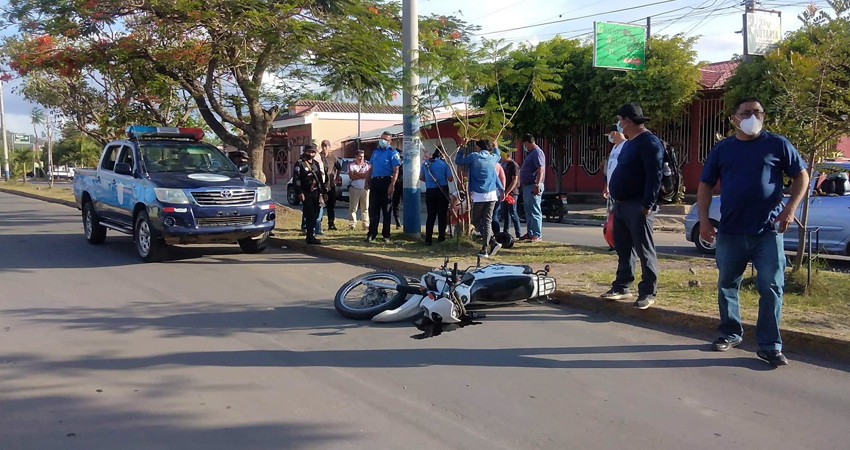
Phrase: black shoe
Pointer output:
(722, 344)
(314, 241)
(331, 227)
(645, 301)
(369, 239)
(428, 243)
(483, 253)
(442, 239)
(494, 248)
(610, 249)
(617, 294)
(774, 357)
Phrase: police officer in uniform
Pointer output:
(311, 187)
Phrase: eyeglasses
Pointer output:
(748, 114)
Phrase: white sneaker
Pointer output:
(495, 249)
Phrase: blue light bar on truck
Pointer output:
(137, 131)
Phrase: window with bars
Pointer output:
(677, 133)
(592, 147)
(714, 125)
(561, 154)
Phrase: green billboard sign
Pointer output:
(619, 46)
(22, 139)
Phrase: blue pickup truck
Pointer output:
(164, 186)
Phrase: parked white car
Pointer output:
(830, 213)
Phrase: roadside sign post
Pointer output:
(619, 46)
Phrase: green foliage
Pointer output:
(21, 163)
(76, 148)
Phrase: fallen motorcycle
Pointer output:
(443, 294)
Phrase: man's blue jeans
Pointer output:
(533, 211)
(767, 253)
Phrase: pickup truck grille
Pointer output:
(225, 221)
(224, 197)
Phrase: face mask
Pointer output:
(383, 143)
(619, 128)
(611, 139)
(751, 126)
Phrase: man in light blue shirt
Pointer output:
(385, 163)
(486, 189)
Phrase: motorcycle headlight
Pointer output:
(174, 196)
(264, 194)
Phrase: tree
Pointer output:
(238, 60)
(76, 148)
(37, 119)
(21, 160)
(51, 125)
(85, 84)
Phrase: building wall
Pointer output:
(336, 130)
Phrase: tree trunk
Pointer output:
(256, 150)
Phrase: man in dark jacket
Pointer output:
(311, 186)
(634, 186)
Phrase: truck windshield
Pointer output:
(185, 157)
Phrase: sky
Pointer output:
(715, 21)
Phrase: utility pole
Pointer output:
(410, 47)
(5, 145)
(749, 6)
(648, 28)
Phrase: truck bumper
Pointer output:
(192, 224)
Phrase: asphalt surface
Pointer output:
(219, 350)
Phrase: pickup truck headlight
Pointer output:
(174, 196)
(264, 194)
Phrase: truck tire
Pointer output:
(292, 196)
(251, 245)
(150, 248)
(94, 231)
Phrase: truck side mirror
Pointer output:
(243, 168)
(123, 169)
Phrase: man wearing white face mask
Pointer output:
(385, 163)
(750, 166)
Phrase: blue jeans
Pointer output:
(318, 227)
(496, 213)
(533, 211)
(510, 213)
(767, 253)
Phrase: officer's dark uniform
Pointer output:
(310, 181)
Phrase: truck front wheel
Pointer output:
(251, 245)
(150, 248)
(95, 232)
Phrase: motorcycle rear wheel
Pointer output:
(354, 300)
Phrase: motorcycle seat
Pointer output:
(528, 270)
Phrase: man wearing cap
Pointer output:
(358, 193)
(310, 186)
(634, 187)
(385, 163)
(333, 171)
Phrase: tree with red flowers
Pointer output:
(238, 60)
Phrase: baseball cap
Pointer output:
(611, 129)
(633, 112)
(326, 143)
(309, 148)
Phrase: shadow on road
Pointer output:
(63, 422)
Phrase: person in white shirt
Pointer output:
(616, 137)
(358, 192)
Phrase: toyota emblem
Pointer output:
(226, 194)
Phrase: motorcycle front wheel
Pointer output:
(365, 296)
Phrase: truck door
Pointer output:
(107, 198)
(125, 187)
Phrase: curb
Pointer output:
(600, 223)
(39, 197)
(801, 342)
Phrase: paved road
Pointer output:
(219, 350)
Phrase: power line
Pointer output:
(696, 27)
(578, 18)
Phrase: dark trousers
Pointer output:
(482, 219)
(437, 205)
(329, 207)
(633, 239)
(510, 213)
(311, 212)
(398, 195)
(496, 213)
(379, 205)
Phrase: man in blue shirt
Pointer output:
(531, 176)
(385, 162)
(634, 186)
(437, 175)
(750, 166)
(486, 189)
